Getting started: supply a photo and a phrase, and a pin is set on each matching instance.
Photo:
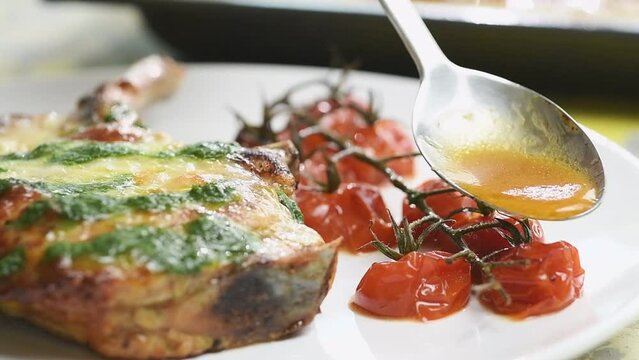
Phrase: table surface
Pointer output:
(73, 43)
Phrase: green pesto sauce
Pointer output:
(92, 151)
(80, 152)
(204, 241)
(86, 206)
(208, 150)
(74, 152)
(42, 150)
(115, 183)
(212, 193)
(291, 205)
(12, 262)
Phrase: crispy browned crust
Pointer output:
(276, 164)
(134, 313)
(289, 153)
(258, 302)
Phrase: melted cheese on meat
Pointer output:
(257, 207)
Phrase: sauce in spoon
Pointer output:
(538, 185)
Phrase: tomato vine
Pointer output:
(302, 126)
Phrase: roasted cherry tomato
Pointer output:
(485, 242)
(347, 214)
(377, 141)
(334, 116)
(552, 280)
(323, 107)
(442, 205)
(419, 285)
(384, 138)
(313, 168)
(381, 138)
(482, 242)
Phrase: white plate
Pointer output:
(607, 240)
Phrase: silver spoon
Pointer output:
(457, 108)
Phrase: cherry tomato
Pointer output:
(325, 106)
(313, 169)
(486, 241)
(382, 139)
(339, 117)
(336, 117)
(482, 242)
(552, 280)
(347, 214)
(419, 285)
(250, 135)
(442, 205)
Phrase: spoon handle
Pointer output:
(418, 40)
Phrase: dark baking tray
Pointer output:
(553, 56)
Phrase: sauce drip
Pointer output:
(537, 186)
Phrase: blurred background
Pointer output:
(584, 54)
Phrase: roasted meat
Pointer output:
(140, 247)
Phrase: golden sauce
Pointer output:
(537, 186)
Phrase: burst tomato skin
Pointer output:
(482, 242)
(382, 139)
(552, 281)
(442, 205)
(485, 242)
(347, 214)
(419, 285)
(342, 123)
(334, 116)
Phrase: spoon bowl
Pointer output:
(459, 108)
